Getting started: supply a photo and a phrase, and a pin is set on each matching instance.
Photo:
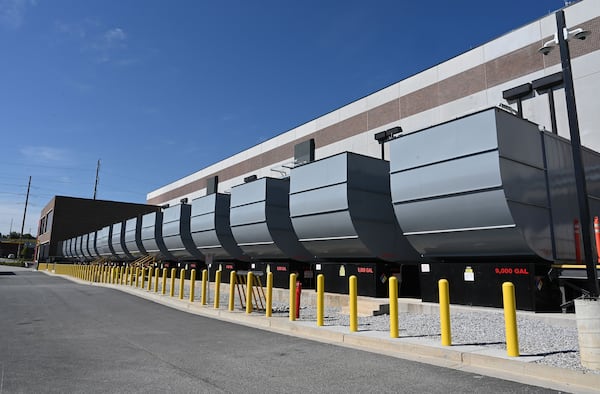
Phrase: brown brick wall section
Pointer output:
(384, 114)
(497, 71)
(420, 100)
(462, 85)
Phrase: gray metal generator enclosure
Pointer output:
(103, 244)
(341, 208)
(260, 220)
(72, 243)
(66, 248)
(210, 227)
(176, 233)
(78, 247)
(151, 236)
(133, 240)
(118, 241)
(88, 246)
(478, 187)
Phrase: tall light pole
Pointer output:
(24, 214)
(561, 38)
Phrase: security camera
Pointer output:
(545, 50)
(580, 34)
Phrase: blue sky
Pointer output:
(160, 89)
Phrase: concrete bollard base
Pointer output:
(587, 311)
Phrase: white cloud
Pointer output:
(105, 45)
(115, 36)
(109, 44)
(12, 12)
(44, 154)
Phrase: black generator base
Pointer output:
(480, 284)
(372, 278)
(226, 268)
(281, 273)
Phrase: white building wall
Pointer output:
(586, 70)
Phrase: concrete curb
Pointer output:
(467, 358)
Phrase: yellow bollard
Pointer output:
(173, 275)
(292, 297)
(150, 272)
(510, 319)
(203, 299)
(269, 311)
(444, 291)
(122, 275)
(181, 283)
(156, 276)
(164, 281)
(393, 294)
(143, 278)
(353, 304)
(137, 276)
(249, 282)
(192, 285)
(320, 299)
(217, 289)
(232, 280)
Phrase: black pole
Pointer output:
(580, 182)
(24, 215)
(96, 183)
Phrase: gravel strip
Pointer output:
(556, 345)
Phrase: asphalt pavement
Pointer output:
(60, 336)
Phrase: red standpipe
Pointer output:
(577, 236)
(298, 294)
(597, 234)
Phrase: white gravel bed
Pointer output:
(556, 345)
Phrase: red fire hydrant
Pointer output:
(298, 294)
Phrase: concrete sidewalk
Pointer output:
(470, 358)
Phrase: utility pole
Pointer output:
(24, 214)
(97, 173)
